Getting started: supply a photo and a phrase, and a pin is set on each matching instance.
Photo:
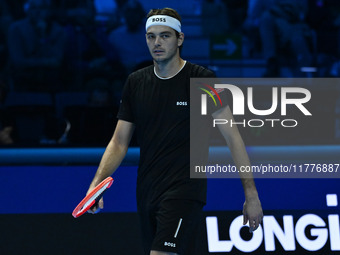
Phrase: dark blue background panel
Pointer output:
(92, 156)
(58, 189)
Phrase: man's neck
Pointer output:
(169, 69)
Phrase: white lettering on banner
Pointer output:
(321, 234)
(333, 221)
(287, 236)
(243, 245)
(214, 242)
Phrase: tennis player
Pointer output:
(155, 104)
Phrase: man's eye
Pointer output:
(151, 36)
(165, 36)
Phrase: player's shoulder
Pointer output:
(142, 73)
(200, 71)
(140, 78)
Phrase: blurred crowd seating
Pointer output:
(63, 63)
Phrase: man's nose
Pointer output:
(158, 41)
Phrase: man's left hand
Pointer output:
(252, 212)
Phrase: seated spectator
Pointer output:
(237, 12)
(5, 21)
(100, 93)
(16, 8)
(130, 49)
(5, 135)
(250, 27)
(278, 26)
(88, 54)
(116, 18)
(283, 26)
(6, 124)
(324, 18)
(93, 124)
(214, 18)
(36, 46)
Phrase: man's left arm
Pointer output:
(252, 209)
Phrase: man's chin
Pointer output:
(159, 59)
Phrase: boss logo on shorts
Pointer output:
(169, 244)
(159, 20)
(182, 103)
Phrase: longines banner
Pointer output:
(299, 234)
(281, 232)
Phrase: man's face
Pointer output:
(163, 43)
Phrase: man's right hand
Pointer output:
(112, 157)
(96, 207)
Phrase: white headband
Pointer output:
(163, 20)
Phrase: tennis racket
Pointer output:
(92, 198)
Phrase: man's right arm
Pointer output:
(113, 155)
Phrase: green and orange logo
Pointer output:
(211, 92)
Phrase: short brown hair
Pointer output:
(165, 11)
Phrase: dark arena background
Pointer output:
(63, 65)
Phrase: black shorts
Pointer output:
(171, 226)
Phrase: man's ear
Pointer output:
(180, 39)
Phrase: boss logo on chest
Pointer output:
(184, 103)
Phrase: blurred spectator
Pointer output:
(6, 124)
(105, 7)
(3, 93)
(105, 11)
(88, 52)
(283, 27)
(120, 5)
(237, 12)
(324, 17)
(129, 39)
(279, 27)
(108, 12)
(5, 21)
(68, 11)
(100, 93)
(36, 46)
(6, 135)
(93, 124)
(255, 10)
(215, 19)
(16, 8)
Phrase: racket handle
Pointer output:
(97, 200)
